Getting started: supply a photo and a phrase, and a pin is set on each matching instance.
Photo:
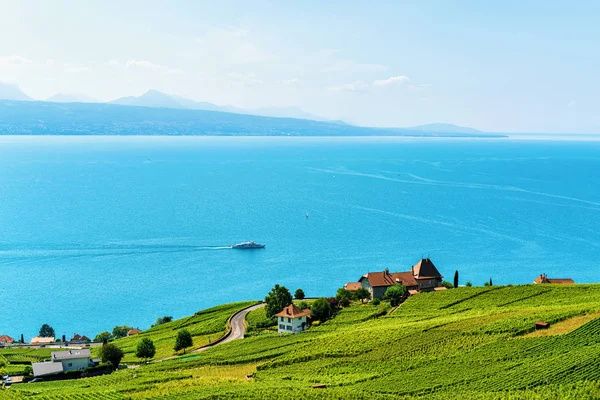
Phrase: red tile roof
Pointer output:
(562, 281)
(352, 286)
(6, 339)
(384, 278)
(133, 331)
(292, 311)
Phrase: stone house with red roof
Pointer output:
(561, 281)
(423, 276)
(292, 319)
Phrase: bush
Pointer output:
(343, 297)
(395, 294)
(376, 302)
(163, 320)
(468, 284)
(303, 305)
(448, 285)
(321, 309)
(102, 337)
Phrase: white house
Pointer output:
(292, 319)
(63, 361)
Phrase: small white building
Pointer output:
(292, 319)
(63, 361)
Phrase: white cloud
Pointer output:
(75, 68)
(358, 86)
(14, 60)
(394, 80)
(148, 65)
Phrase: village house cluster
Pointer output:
(422, 277)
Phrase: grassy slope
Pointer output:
(205, 325)
(468, 343)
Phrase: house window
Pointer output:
(289, 327)
(289, 320)
(281, 326)
(69, 364)
(281, 319)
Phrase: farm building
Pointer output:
(134, 331)
(63, 361)
(561, 281)
(423, 276)
(292, 319)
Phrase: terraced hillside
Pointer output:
(468, 343)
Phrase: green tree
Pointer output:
(22, 338)
(321, 309)
(120, 331)
(395, 294)
(362, 294)
(278, 298)
(46, 331)
(468, 284)
(486, 283)
(28, 371)
(447, 285)
(163, 320)
(299, 294)
(303, 305)
(376, 302)
(343, 296)
(491, 284)
(183, 340)
(145, 349)
(112, 354)
(455, 279)
(102, 337)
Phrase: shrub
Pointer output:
(395, 294)
(303, 305)
(343, 297)
(447, 285)
(468, 284)
(163, 320)
(321, 309)
(376, 302)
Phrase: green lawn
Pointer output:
(467, 343)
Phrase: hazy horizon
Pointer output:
(506, 67)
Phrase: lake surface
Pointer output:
(100, 231)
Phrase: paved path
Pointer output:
(238, 327)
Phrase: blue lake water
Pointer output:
(100, 231)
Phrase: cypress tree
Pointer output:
(455, 279)
(491, 282)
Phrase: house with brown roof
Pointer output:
(423, 276)
(292, 319)
(5, 339)
(79, 339)
(134, 331)
(560, 281)
(353, 286)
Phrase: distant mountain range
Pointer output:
(71, 98)
(155, 98)
(176, 115)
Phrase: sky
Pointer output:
(498, 66)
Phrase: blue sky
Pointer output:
(511, 66)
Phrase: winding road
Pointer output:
(238, 327)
